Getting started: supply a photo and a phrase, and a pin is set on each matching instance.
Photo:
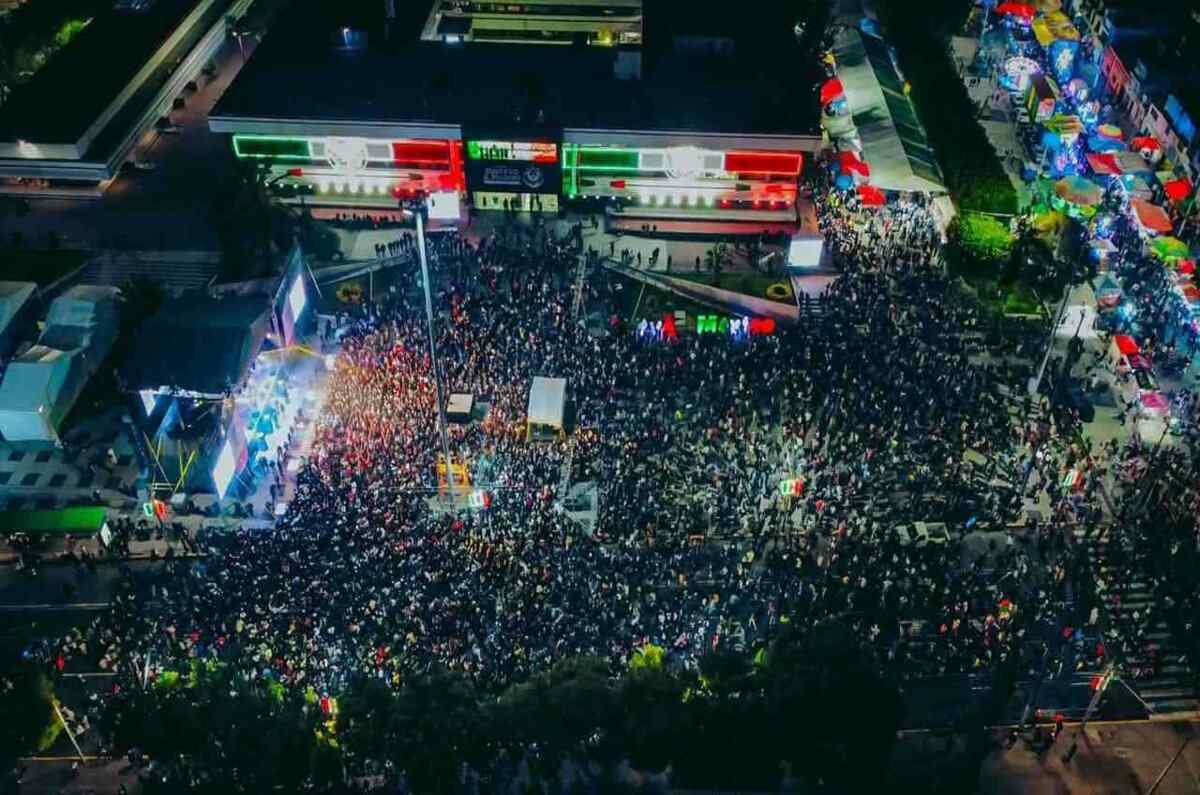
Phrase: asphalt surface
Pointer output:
(167, 208)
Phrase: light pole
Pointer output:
(418, 209)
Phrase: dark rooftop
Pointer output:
(297, 73)
(197, 343)
(66, 96)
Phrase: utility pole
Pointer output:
(418, 210)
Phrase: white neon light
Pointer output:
(297, 297)
(225, 469)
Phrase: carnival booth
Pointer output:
(1179, 189)
(1017, 73)
(1059, 38)
(1108, 294)
(1148, 147)
(1042, 97)
(1120, 349)
(1021, 14)
(1151, 219)
(1168, 248)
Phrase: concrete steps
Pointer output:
(1173, 689)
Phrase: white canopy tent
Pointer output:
(42, 384)
(14, 305)
(547, 407)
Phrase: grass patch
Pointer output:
(42, 266)
(1020, 300)
(48, 735)
(653, 303)
(757, 285)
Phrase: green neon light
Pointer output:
(599, 159)
(271, 147)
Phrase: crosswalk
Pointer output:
(1170, 688)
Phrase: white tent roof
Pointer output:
(893, 141)
(547, 401)
(34, 379)
(13, 296)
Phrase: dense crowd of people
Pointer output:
(872, 410)
(866, 466)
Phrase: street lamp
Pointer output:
(418, 207)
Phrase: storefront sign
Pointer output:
(526, 177)
(513, 166)
(524, 151)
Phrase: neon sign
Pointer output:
(523, 151)
(737, 328)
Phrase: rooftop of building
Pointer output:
(66, 96)
(298, 73)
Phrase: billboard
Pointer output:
(513, 166)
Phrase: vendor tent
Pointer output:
(1136, 186)
(1169, 248)
(850, 163)
(1023, 11)
(547, 408)
(1144, 143)
(831, 89)
(871, 196)
(1151, 217)
(1078, 190)
(1131, 163)
(1054, 26)
(1098, 143)
(1178, 190)
(16, 310)
(1104, 164)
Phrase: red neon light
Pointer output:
(421, 151)
(763, 162)
(617, 183)
(457, 173)
(762, 326)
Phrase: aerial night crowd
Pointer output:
(878, 412)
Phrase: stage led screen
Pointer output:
(225, 469)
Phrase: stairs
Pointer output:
(1172, 689)
(175, 270)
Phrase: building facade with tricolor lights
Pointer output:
(354, 107)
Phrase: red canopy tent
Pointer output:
(830, 90)
(1141, 142)
(1023, 10)
(1125, 344)
(1139, 362)
(1152, 217)
(1178, 190)
(1103, 163)
(852, 164)
(871, 196)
